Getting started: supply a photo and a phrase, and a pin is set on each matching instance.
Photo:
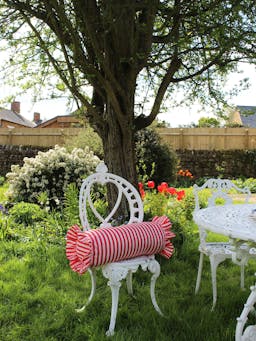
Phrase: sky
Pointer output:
(175, 117)
(184, 116)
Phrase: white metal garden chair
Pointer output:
(243, 332)
(117, 271)
(219, 251)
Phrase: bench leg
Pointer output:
(215, 260)
(93, 289)
(154, 268)
(129, 283)
(199, 273)
(115, 296)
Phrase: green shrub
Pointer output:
(184, 208)
(155, 160)
(153, 156)
(71, 205)
(180, 214)
(200, 181)
(26, 213)
(5, 229)
(178, 211)
(3, 190)
(86, 138)
(249, 183)
(50, 173)
(155, 204)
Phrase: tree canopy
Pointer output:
(124, 48)
(208, 122)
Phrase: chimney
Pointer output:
(15, 107)
(36, 117)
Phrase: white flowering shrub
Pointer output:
(50, 173)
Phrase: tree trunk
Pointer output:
(119, 151)
(119, 156)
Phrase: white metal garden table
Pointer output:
(238, 222)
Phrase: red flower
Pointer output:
(141, 190)
(142, 193)
(151, 184)
(140, 184)
(163, 187)
(180, 194)
(172, 190)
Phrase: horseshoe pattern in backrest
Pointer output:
(124, 188)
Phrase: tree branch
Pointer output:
(144, 121)
(72, 87)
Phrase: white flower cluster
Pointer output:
(50, 172)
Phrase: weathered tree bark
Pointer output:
(119, 150)
(120, 70)
(119, 155)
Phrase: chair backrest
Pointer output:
(220, 188)
(124, 190)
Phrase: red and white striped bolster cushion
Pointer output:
(92, 248)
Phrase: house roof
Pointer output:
(13, 117)
(248, 115)
(59, 119)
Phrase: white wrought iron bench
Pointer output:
(115, 271)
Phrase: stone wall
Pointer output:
(225, 163)
(215, 163)
(10, 155)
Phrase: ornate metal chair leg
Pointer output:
(154, 268)
(115, 286)
(241, 258)
(93, 289)
(250, 331)
(214, 265)
(129, 283)
(215, 261)
(199, 273)
(93, 280)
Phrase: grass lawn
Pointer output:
(39, 294)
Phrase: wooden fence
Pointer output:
(42, 137)
(209, 138)
(185, 138)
